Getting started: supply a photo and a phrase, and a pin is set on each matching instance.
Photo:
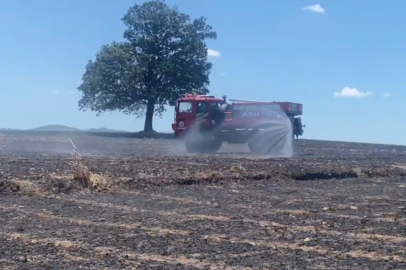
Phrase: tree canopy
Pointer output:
(164, 56)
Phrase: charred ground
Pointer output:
(332, 206)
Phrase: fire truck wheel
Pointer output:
(256, 144)
(255, 149)
(261, 144)
(191, 146)
(208, 146)
(215, 145)
(202, 144)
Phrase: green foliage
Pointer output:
(164, 56)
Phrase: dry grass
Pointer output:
(83, 175)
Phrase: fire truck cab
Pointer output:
(196, 110)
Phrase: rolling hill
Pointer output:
(64, 128)
(54, 128)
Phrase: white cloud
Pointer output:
(315, 8)
(213, 53)
(352, 93)
(386, 95)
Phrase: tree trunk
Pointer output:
(149, 116)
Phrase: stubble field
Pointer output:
(331, 206)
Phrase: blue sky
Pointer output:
(268, 50)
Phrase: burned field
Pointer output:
(331, 206)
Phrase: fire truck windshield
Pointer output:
(185, 107)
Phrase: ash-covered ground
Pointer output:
(331, 206)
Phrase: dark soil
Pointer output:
(332, 206)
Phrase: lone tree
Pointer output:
(164, 56)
